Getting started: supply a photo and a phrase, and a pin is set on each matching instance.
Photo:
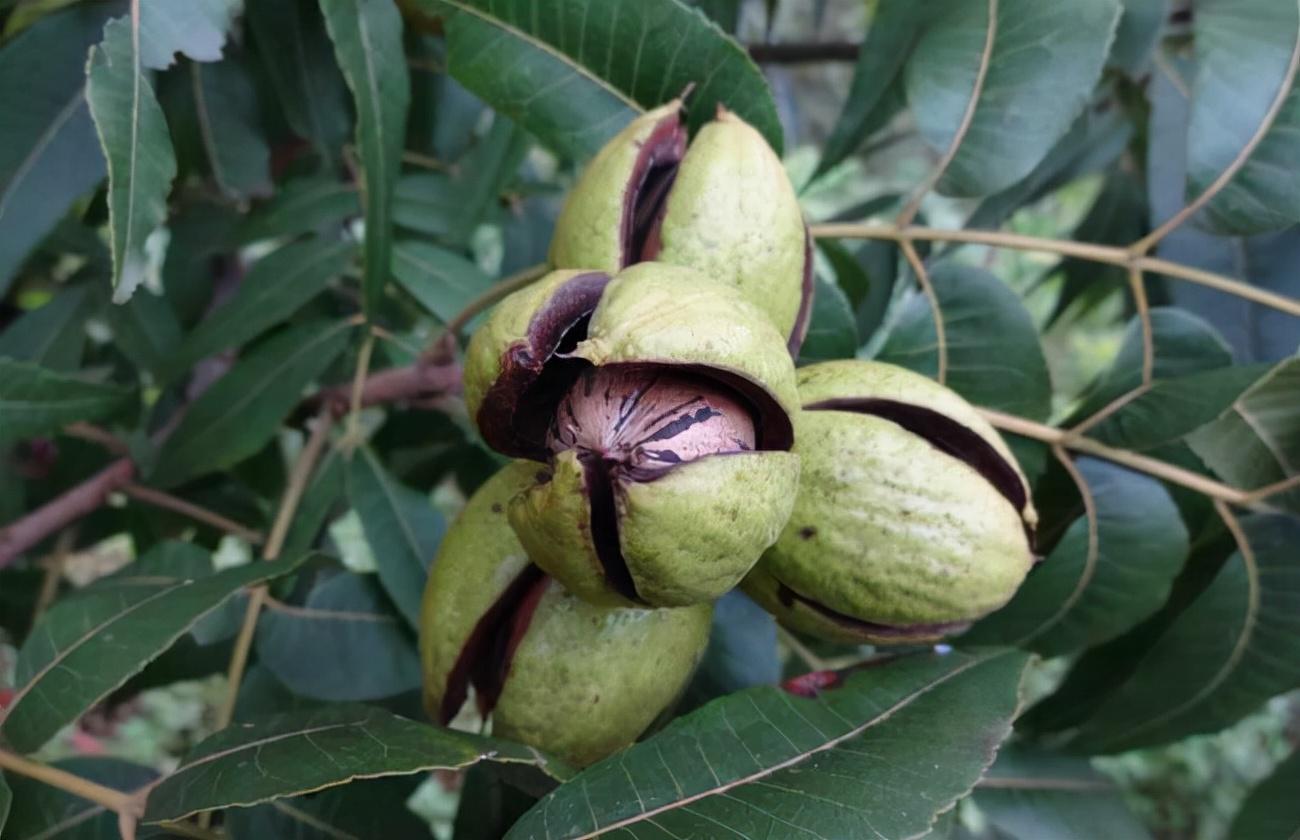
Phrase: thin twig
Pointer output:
(297, 485)
(353, 437)
(487, 299)
(909, 211)
(1262, 493)
(167, 501)
(1138, 287)
(936, 311)
(801, 650)
(113, 800)
(54, 565)
(1106, 254)
(1105, 411)
(1141, 463)
(804, 53)
(63, 510)
(94, 434)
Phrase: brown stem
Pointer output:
(167, 501)
(113, 800)
(94, 434)
(62, 511)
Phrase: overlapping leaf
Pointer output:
(84, 648)
(240, 413)
(1229, 651)
(575, 73)
(1031, 794)
(367, 36)
(51, 335)
(1272, 809)
(36, 401)
(310, 204)
(1025, 68)
(373, 808)
(49, 156)
(229, 125)
(442, 281)
(878, 755)
(995, 358)
(286, 754)
(402, 527)
(1083, 595)
(343, 643)
(41, 811)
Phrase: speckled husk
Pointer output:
(583, 681)
(728, 210)
(892, 538)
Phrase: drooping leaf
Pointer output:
(84, 648)
(36, 401)
(762, 760)
(291, 43)
(995, 358)
(312, 204)
(133, 134)
(1223, 656)
(51, 335)
(367, 36)
(49, 156)
(832, 330)
(441, 280)
(282, 755)
(146, 330)
(1031, 794)
(241, 411)
(1075, 598)
(1271, 809)
(1028, 68)
(569, 74)
(1247, 56)
(41, 811)
(229, 126)
(1136, 38)
(1256, 442)
(276, 287)
(372, 808)
(891, 36)
(343, 643)
(402, 527)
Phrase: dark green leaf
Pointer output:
(230, 128)
(146, 330)
(312, 204)
(6, 799)
(1257, 441)
(1117, 217)
(741, 653)
(292, 45)
(42, 812)
(1246, 58)
(51, 335)
(133, 134)
(1140, 26)
(431, 203)
(725, 13)
(994, 356)
(1037, 795)
(1227, 653)
(374, 808)
(276, 287)
(574, 73)
(488, 805)
(1272, 809)
(1074, 599)
(49, 156)
(832, 331)
(1097, 137)
(200, 232)
(84, 648)
(1184, 346)
(1040, 63)
(320, 497)
(287, 754)
(441, 280)
(35, 401)
(241, 411)
(484, 172)
(367, 36)
(763, 760)
(402, 527)
(892, 35)
(343, 643)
